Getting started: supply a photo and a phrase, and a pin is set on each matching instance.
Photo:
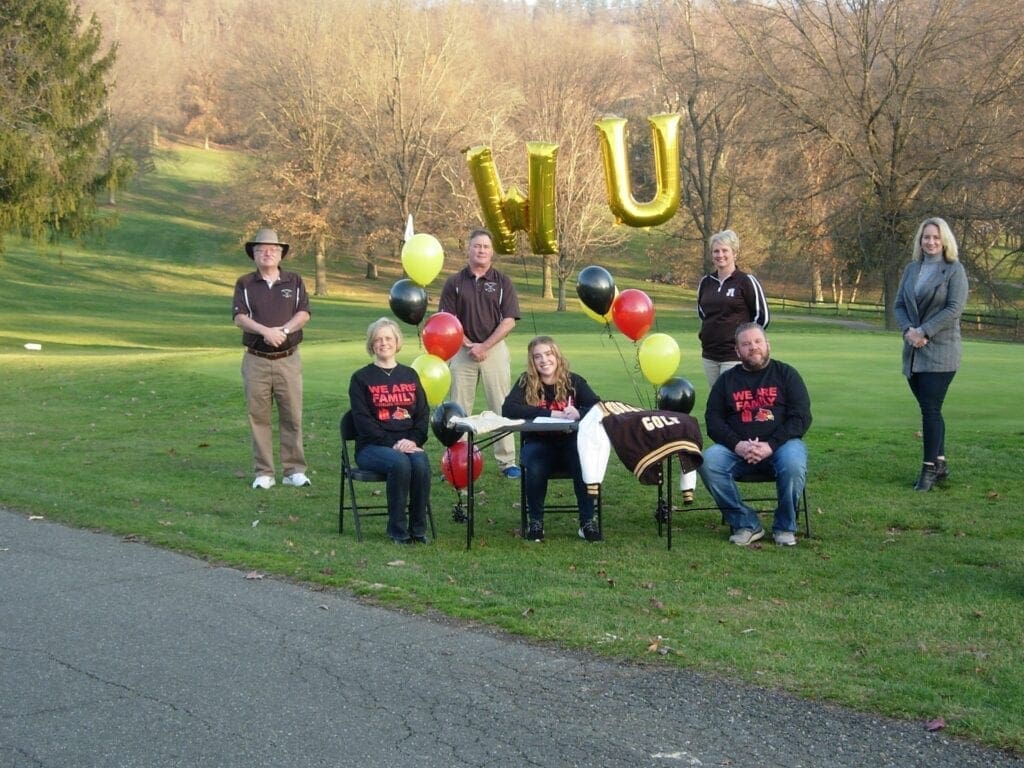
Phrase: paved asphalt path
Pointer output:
(119, 654)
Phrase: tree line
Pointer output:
(821, 130)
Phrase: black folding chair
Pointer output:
(762, 504)
(549, 508)
(351, 474)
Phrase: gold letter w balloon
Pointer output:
(505, 214)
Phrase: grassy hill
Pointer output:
(131, 420)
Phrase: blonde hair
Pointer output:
(728, 237)
(531, 382)
(376, 327)
(950, 251)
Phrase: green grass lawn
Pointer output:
(131, 420)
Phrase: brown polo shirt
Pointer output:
(480, 303)
(271, 305)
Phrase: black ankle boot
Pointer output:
(941, 470)
(927, 478)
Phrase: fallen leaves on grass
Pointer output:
(658, 646)
(396, 563)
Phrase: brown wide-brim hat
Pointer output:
(265, 237)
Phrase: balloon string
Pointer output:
(641, 398)
(526, 281)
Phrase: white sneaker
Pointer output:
(298, 479)
(266, 482)
(744, 537)
(785, 539)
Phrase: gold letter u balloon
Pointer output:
(665, 138)
(504, 214)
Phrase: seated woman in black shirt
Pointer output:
(390, 411)
(548, 388)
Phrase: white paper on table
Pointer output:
(488, 421)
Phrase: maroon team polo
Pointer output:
(271, 305)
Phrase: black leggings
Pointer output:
(930, 390)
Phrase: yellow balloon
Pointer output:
(422, 258)
(602, 319)
(659, 358)
(665, 203)
(434, 376)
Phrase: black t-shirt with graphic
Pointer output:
(388, 406)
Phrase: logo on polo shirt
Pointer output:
(287, 292)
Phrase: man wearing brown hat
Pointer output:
(271, 306)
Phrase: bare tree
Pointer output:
(687, 48)
(413, 89)
(303, 179)
(202, 101)
(899, 90)
(568, 75)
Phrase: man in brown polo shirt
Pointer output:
(486, 303)
(271, 306)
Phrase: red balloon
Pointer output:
(453, 464)
(633, 313)
(442, 335)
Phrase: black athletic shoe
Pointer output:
(589, 531)
(535, 531)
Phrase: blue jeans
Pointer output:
(408, 486)
(930, 390)
(542, 458)
(788, 464)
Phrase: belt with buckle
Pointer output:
(271, 355)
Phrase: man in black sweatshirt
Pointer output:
(757, 414)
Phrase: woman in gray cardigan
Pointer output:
(930, 299)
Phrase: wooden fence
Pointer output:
(1004, 326)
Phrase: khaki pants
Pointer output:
(495, 375)
(713, 369)
(281, 380)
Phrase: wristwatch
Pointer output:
(285, 330)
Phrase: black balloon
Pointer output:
(676, 394)
(596, 289)
(439, 423)
(408, 301)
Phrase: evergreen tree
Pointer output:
(52, 112)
